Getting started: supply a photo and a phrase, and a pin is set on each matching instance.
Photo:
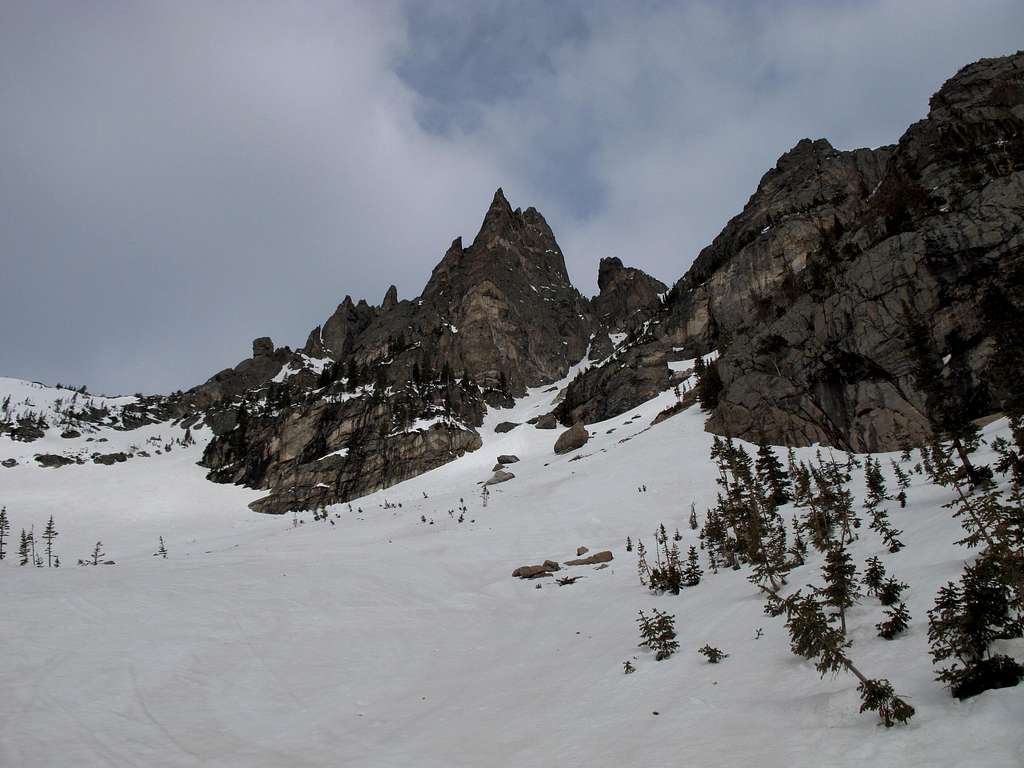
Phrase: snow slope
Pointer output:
(381, 640)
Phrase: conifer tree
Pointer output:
(36, 560)
(874, 574)
(798, 549)
(23, 549)
(693, 517)
(812, 637)
(841, 590)
(162, 551)
(898, 620)
(692, 572)
(966, 619)
(658, 634)
(5, 527)
(874, 501)
(97, 553)
(773, 476)
(712, 654)
(890, 591)
(49, 534)
(642, 568)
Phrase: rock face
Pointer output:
(573, 438)
(941, 234)
(806, 292)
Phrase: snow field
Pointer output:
(383, 641)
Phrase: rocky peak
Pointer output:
(390, 299)
(262, 347)
(628, 295)
(499, 219)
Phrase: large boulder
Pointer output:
(501, 476)
(574, 437)
(53, 460)
(535, 571)
(604, 556)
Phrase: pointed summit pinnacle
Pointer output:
(499, 216)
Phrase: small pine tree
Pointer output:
(49, 534)
(966, 619)
(627, 667)
(629, 544)
(658, 634)
(874, 574)
(812, 637)
(97, 553)
(773, 476)
(23, 549)
(692, 572)
(798, 549)
(642, 568)
(898, 621)
(879, 696)
(5, 527)
(162, 551)
(693, 517)
(841, 590)
(890, 591)
(712, 654)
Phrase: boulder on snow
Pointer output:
(547, 421)
(594, 559)
(580, 551)
(505, 426)
(109, 458)
(507, 458)
(70, 434)
(53, 460)
(9, 463)
(574, 437)
(501, 476)
(536, 571)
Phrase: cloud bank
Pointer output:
(178, 178)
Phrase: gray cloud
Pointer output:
(176, 178)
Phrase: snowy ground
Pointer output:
(384, 641)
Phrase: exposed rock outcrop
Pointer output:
(628, 296)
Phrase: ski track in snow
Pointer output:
(383, 641)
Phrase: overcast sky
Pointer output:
(179, 177)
